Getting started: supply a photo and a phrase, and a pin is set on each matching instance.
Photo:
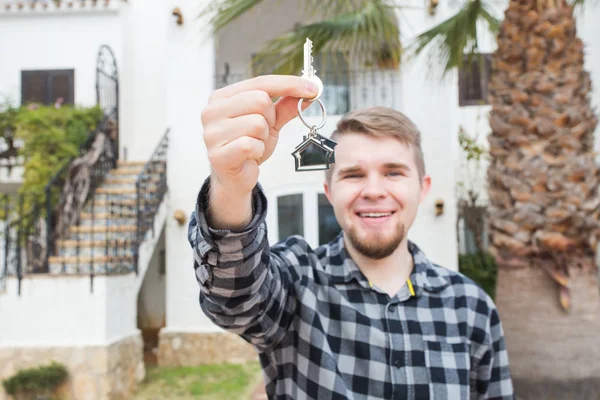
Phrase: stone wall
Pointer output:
(187, 348)
(95, 372)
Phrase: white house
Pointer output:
(166, 67)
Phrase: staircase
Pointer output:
(115, 231)
(111, 226)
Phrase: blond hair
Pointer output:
(382, 121)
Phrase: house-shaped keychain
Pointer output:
(314, 154)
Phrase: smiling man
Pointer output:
(364, 316)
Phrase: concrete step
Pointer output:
(103, 228)
(95, 248)
(131, 163)
(102, 232)
(115, 191)
(84, 265)
(129, 180)
(133, 171)
(110, 221)
(115, 214)
(102, 204)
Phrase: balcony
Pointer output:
(344, 91)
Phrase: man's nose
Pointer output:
(374, 187)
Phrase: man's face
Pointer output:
(375, 192)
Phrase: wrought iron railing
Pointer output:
(151, 187)
(22, 226)
(344, 90)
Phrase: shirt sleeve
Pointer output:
(244, 289)
(492, 374)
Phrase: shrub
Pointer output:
(482, 268)
(34, 383)
(51, 137)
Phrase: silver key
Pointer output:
(309, 72)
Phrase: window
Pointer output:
(47, 86)
(473, 80)
(467, 242)
(290, 215)
(328, 225)
(332, 69)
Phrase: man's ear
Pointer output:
(425, 186)
(327, 190)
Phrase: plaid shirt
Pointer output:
(322, 332)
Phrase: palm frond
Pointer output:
(450, 40)
(368, 32)
(223, 12)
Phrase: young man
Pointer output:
(365, 316)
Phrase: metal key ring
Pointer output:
(322, 124)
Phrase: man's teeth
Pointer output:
(374, 215)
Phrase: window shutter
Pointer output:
(61, 83)
(46, 86)
(34, 87)
(473, 81)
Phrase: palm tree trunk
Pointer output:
(544, 203)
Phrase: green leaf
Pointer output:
(223, 12)
(367, 33)
(51, 137)
(450, 40)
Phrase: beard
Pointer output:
(376, 246)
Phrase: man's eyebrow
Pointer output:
(352, 168)
(395, 165)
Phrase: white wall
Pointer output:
(62, 311)
(589, 31)
(151, 298)
(56, 40)
(145, 76)
(189, 82)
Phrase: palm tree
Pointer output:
(542, 179)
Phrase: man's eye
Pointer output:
(396, 173)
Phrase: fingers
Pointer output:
(236, 152)
(224, 131)
(273, 85)
(252, 102)
(286, 109)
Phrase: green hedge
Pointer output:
(51, 137)
(33, 383)
(482, 268)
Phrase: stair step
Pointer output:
(125, 171)
(103, 229)
(130, 181)
(94, 243)
(97, 251)
(112, 221)
(83, 259)
(84, 265)
(116, 203)
(123, 163)
(109, 190)
(124, 214)
(104, 205)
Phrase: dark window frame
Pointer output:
(49, 75)
(292, 200)
(465, 73)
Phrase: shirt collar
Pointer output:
(343, 269)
